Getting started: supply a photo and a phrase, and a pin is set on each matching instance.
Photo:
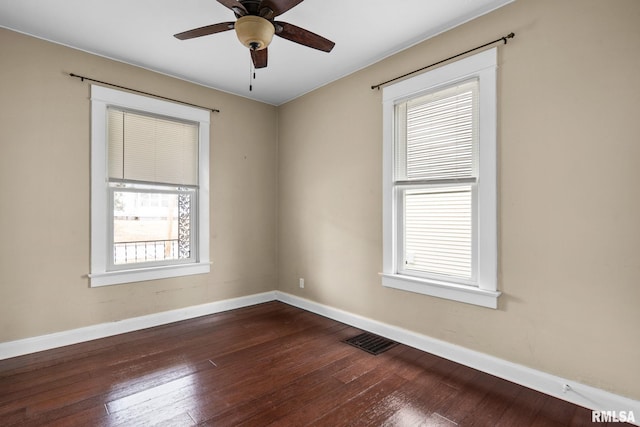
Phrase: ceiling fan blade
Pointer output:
(237, 7)
(279, 6)
(303, 37)
(205, 31)
(259, 58)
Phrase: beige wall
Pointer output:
(44, 194)
(569, 226)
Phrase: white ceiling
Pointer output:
(140, 32)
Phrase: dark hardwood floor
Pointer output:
(270, 364)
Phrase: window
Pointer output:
(439, 189)
(149, 189)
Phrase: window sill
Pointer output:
(460, 293)
(142, 274)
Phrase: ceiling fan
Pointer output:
(256, 26)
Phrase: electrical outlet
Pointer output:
(301, 282)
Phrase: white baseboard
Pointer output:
(88, 333)
(577, 393)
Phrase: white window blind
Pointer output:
(438, 233)
(151, 149)
(437, 138)
(436, 169)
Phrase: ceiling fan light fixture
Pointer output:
(254, 32)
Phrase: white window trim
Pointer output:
(101, 98)
(483, 66)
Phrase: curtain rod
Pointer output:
(83, 78)
(503, 39)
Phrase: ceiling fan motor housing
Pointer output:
(254, 32)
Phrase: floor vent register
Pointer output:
(371, 343)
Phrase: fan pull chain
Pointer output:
(252, 74)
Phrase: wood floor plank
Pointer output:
(268, 364)
(278, 402)
(493, 406)
(235, 380)
(420, 399)
(364, 404)
(554, 412)
(242, 376)
(131, 359)
(475, 390)
(523, 409)
(324, 403)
